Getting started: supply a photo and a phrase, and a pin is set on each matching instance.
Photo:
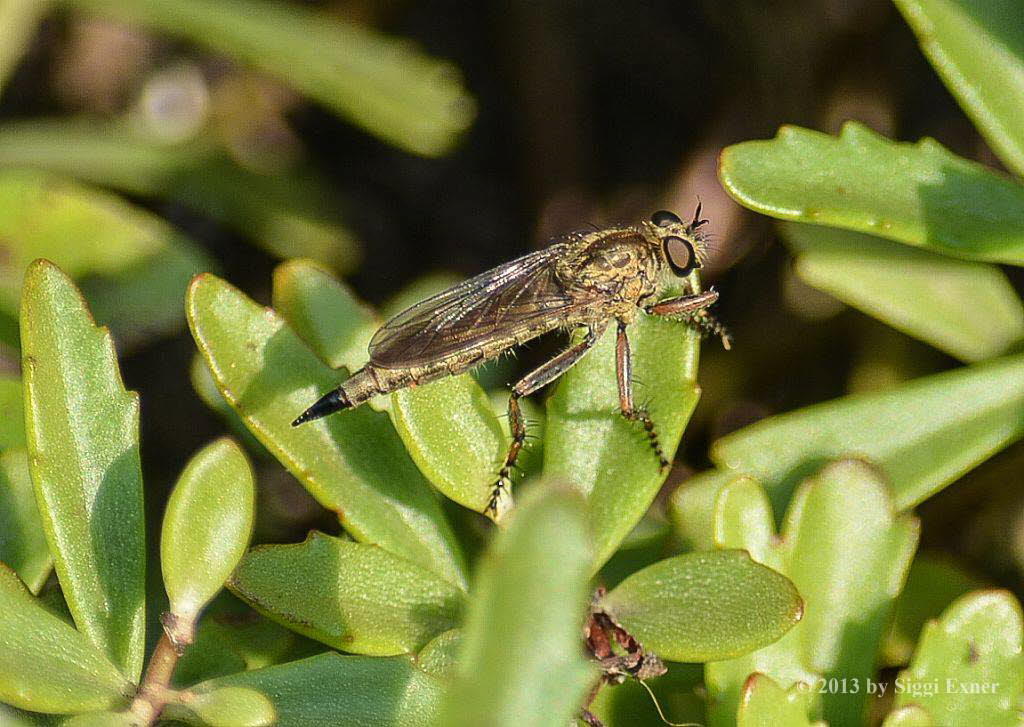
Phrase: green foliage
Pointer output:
(382, 84)
(932, 584)
(354, 597)
(354, 465)
(440, 656)
(348, 691)
(83, 445)
(918, 292)
(520, 661)
(456, 453)
(587, 443)
(907, 233)
(17, 20)
(230, 638)
(974, 649)
(232, 707)
(844, 543)
(46, 665)
(324, 313)
(289, 215)
(12, 413)
(937, 201)
(910, 716)
(206, 529)
(765, 704)
(847, 552)
(705, 606)
(22, 542)
(135, 265)
(978, 50)
(912, 432)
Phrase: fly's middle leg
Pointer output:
(536, 379)
(624, 375)
(693, 310)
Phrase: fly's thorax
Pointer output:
(620, 263)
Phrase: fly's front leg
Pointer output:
(693, 310)
(624, 374)
(539, 377)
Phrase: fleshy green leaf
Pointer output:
(679, 694)
(967, 309)
(206, 388)
(47, 666)
(911, 716)
(969, 666)
(232, 707)
(132, 257)
(521, 662)
(12, 413)
(847, 552)
(451, 432)
(919, 194)
(352, 463)
(83, 430)
(324, 312)
(13, 717)
(765, 704)
(22, 541)
(978, 50)
(327, 316)
(705, 606)
(647, 543)
(692, 508)
(144, 301)
(101, 719)
(932, 584)
(922, 435)
(447, 426)
(383, 84)
(346, 691)
(440, 656)
(588, 443)
(354, 597)
(231, 637)
(291, 215)
(206, 529)
(40, 213)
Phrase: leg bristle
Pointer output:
(641, 415)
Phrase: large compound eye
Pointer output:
(680, 255)
(664, 218)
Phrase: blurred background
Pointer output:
(142, 141)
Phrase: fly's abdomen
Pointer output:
(362, 386)
(355, 390)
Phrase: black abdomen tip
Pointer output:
(327, 404)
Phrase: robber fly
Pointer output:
(581, 280)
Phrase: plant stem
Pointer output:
(154, 691)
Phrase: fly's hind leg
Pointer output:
(539, 377)
(693, 310)
(624, 375)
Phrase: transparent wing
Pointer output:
(514, 297)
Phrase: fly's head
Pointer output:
(682, 246)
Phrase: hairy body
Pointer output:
(581, 280)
